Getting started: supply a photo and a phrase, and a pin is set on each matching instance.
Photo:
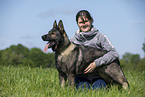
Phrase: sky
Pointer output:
(25, 21)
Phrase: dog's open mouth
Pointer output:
(48, 45)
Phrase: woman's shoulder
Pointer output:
(94, 29)
(99, 34)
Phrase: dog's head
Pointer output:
(55, 36)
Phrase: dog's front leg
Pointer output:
(62, 79)
(71, 80)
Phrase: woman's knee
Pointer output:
(83, 85)
(99, 84)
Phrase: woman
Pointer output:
(90, 36)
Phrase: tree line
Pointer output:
(133, 61)
(20, 55)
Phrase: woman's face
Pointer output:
(84, 24)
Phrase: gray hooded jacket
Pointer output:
(98, 40)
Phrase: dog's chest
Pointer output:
(68, 50)
(66, 56)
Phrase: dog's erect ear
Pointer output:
(61, 27)
(54, 24)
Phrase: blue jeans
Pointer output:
(83, 83)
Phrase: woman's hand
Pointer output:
(90, 68)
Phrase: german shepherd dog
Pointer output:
(72, 59)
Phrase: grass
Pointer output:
(39, 82)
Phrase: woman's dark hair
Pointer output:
(84, 13)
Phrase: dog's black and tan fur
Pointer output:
(71, 59)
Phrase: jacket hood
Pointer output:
(83, 36)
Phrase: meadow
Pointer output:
(25, 81)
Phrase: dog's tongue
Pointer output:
(46, 47)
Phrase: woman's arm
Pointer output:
(109, 57)
(111, 54)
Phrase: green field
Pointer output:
(39, 82)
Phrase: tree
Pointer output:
(135, 58)
(19, 49)
(130, 61)
(6, 57)
(141, 65)
(21, 55)
(38, 57)
(13, 55)
(143, 48)
(126, 57)
(50, 60)
(131, 58)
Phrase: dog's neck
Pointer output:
(64, 45)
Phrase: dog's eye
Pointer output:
(53, 32)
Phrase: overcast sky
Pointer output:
(25, 21)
